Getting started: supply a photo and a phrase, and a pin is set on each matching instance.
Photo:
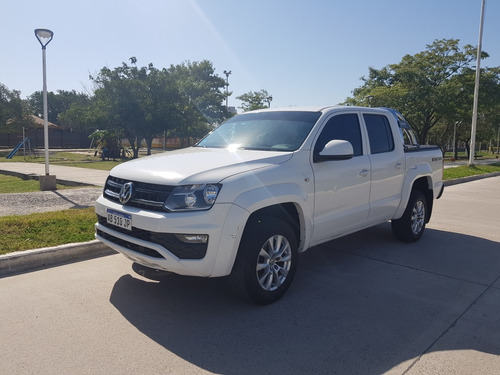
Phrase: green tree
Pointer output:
(420, 86)
(81, 115)
(456, 121)
(254, 100)
(57, 103)
(120, 96)
(144, 102)
(13, 110)
(200, 101)
(109, 140)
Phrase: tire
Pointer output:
(266, 261)
(411, 226)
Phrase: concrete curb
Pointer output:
(30, 260)
(470, 178)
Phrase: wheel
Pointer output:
(266, 261)
(410, 227)
(149, 273)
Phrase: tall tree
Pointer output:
(254, 100)
(57, 103)
(201, 96)
(419, 86)
(144, 102)
(81, 115)
(13, 111)
(456, 121)
(120, 96)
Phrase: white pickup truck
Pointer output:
(265, 186)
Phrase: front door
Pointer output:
(342, 187)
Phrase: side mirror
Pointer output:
(336, 150)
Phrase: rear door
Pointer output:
(387, 167)
(342, 187)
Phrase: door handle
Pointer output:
(364, 172)
(399, 165)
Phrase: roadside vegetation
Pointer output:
(46, 229)
(483, 154)
(466, 171)
(13, 184)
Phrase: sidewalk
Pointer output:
(63, 174)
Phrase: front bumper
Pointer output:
(152, 241)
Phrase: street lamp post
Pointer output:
(476, 88)
(227, 73)
(47, 182)
(269, 99)
(370, 98)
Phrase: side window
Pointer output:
(343, 127)
(379, 133)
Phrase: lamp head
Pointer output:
(44, 36)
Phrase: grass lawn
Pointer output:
(46, 229)
(13, 184)
(69, 159)
(466, 171)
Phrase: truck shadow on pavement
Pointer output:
(363, 304)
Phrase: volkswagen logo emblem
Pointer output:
(126, 192)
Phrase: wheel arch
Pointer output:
(289, 212)
(422, 184)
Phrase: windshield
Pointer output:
(269, 131)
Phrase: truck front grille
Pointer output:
(169, 241)
(147, 196)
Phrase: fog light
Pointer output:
(192, 238)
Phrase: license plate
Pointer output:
(119, 219)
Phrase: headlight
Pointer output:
(192, 197)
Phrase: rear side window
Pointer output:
(343, 127)
(379, 133)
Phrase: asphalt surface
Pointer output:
(362, 304)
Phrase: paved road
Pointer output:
(364, 304)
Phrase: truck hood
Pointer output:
(196, 165)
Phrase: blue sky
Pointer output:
(302, 52)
